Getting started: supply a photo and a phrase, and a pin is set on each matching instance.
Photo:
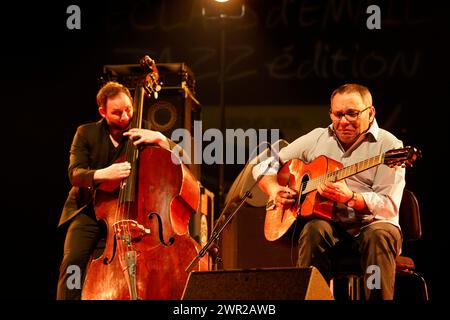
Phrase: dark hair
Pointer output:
(110, 90)
(353, 87)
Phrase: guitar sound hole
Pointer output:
(302, 196)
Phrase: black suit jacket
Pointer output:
(91, 149)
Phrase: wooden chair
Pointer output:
(409, 217)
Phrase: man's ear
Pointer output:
(102, 111)
(372, 113)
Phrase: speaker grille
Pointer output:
(161, 116)
(258, 284)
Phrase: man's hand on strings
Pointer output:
(284, 197)
(147, 136)
(116, 171)
(335, 191)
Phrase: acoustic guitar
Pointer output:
(306, 177)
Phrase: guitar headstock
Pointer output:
(401, 157)
(152, 85)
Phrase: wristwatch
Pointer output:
(352, 198)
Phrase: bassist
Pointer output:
(93, 154)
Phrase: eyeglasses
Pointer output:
(350, 116)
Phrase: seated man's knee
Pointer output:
(315, 231)
(382, 236)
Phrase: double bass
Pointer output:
(148, 246)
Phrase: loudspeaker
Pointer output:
(201, 224)
(171, 75)
(175, 108)
(258, 284)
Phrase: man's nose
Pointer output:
(344, 120)
(125, 116)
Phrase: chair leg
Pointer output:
(358, 288)
(423, 283)
(354, 289)
(331, 285)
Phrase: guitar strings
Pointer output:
(310, 185)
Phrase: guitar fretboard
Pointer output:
(343, 173)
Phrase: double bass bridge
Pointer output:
(130, 231)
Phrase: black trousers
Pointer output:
(377, 245)
(82, 236)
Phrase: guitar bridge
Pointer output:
(270, 205)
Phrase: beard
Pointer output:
(118, 126)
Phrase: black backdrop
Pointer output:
(280, 53)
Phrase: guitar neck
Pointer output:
(343, 173)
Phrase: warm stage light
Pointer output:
(223, 9)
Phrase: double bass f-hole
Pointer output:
(106, 260)
(160, 230)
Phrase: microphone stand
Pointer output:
(217, 231)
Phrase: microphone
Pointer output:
(273, 148)
(246, 181)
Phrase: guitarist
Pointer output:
(365, 215)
